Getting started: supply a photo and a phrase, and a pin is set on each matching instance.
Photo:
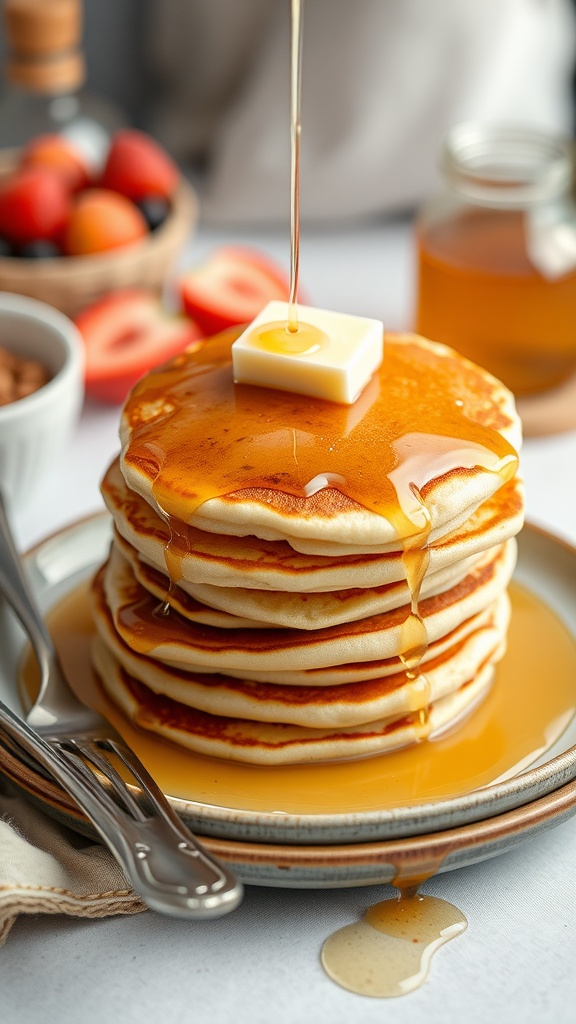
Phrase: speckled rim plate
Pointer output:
(546, 565)
(339, 865)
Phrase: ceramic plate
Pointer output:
(338, 865)
(546, 566)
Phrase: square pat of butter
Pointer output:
(331, 355)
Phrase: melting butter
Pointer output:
(328, 355)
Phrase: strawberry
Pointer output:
(102, 220)
(55, 152)
(231, 288)
(126, 334)
(138, 167)
(34, 205)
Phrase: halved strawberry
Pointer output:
(126, 334)
(231, 288)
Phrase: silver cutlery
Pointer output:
(165, 864)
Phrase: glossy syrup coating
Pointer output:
(195, 435)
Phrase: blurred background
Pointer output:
(397, 225)
(383, 81)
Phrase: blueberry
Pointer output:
(154, 210)
(40, 249)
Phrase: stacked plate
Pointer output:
(348, 847)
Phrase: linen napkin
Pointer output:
(47, 868)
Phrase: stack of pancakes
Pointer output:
(271, 627)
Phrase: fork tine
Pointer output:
(85, 749)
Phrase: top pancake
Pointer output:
(429, 440)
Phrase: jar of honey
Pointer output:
(497, 255)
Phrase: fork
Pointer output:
(166, 865)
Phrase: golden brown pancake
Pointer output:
(235, 607)
(268, 743)
(222, 561)
(294, 580)
(179, 641)
(430, 439)
(314, 706)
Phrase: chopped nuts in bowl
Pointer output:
(41, 392)
(19, 376)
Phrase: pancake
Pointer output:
(198, 449)
(236, 607)
(293, 580)
(314, 706)
(181, 642)
(178, 596)
(327, 675)
(267, 743)
(221, 561)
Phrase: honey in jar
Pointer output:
(497, 256)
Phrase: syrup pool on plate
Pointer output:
(532, 701)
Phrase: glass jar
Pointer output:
(497, 255)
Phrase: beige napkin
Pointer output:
(46, 868)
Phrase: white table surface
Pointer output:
(517, 960)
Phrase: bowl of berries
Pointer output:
(69, 235)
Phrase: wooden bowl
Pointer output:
(71, 282)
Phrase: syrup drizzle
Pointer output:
(388, 951)
(175, 549)
(295, 136)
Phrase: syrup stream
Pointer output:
(295, 133)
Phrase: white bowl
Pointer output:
(35, 430)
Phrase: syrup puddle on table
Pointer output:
(388, 952)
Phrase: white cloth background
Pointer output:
(383, 81)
